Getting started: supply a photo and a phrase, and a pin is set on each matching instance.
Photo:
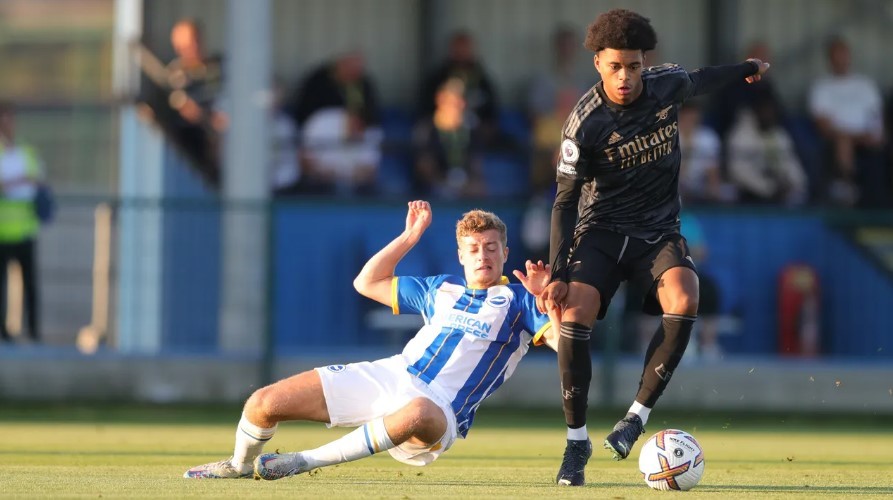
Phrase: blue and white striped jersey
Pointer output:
(472, 339)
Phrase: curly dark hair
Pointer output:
(620, 29)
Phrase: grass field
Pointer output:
(141, 452)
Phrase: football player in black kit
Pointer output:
(616, 218)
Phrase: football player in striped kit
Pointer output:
(616, 218)
(417, 403)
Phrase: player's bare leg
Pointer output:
(299, 397)
(575, 365)
(677, 291)
(421, 422)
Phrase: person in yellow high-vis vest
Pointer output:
(20, 177)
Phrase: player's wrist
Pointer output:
(558, 278)
(756, 65)
(410, 237)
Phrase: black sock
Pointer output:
(664, 353)
(575, 370)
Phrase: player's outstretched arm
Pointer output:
(712, 78)
(374, 280)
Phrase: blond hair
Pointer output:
(478, 221)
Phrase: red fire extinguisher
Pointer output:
(798, 311)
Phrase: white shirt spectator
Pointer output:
(327, 143)
(852, 103)
(700, 156)
(285, 166)
(763, 163)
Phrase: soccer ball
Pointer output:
(671, 460)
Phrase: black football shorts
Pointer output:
(604, 259)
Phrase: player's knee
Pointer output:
(427, 419)
(262, 403)
(581, 314)
(682, 303)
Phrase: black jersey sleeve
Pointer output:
(671, 81)
(713, 78)
(564, 220)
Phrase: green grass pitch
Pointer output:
(141, 452)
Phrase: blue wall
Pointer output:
(319, 247)
(191, 220)
(748, 253)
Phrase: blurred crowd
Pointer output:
(333, 136)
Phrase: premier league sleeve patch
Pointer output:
(570, 152)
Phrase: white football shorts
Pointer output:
(357, 393)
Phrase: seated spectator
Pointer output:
(285, 167)
(447, 160)
(706, 330)
(739, 96)
(547, 141)
(563, 76)
(700, 177)
(847, 110)
(462, 63)
(888, 129)
(339, 154)
(763, 163)
(550, 99)
(341, 83)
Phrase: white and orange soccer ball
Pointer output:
(671, 460)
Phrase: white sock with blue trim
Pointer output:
(362, 442)
(250, 441)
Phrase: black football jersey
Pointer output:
(628, 156)
(619, 165)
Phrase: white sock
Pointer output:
(578, 434)
(641, 411)
(362, 442)
(250, 441)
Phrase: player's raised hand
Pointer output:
(536, 278)
(763, 67)
(418, 217)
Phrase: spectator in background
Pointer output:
(285, 167)
(888, 129)
(447, 148)
(197, 76)
(733, 99)
(544, 160)
(336, 109)
(564, 76)
(21, 174)
(340, 154)
(847, 110)
(763, 163)
(706, 330)
(547, 141)
(710, 295)
(550, 98)
(462, 63)
(196, 80)
(341, 83)
(700, 177)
